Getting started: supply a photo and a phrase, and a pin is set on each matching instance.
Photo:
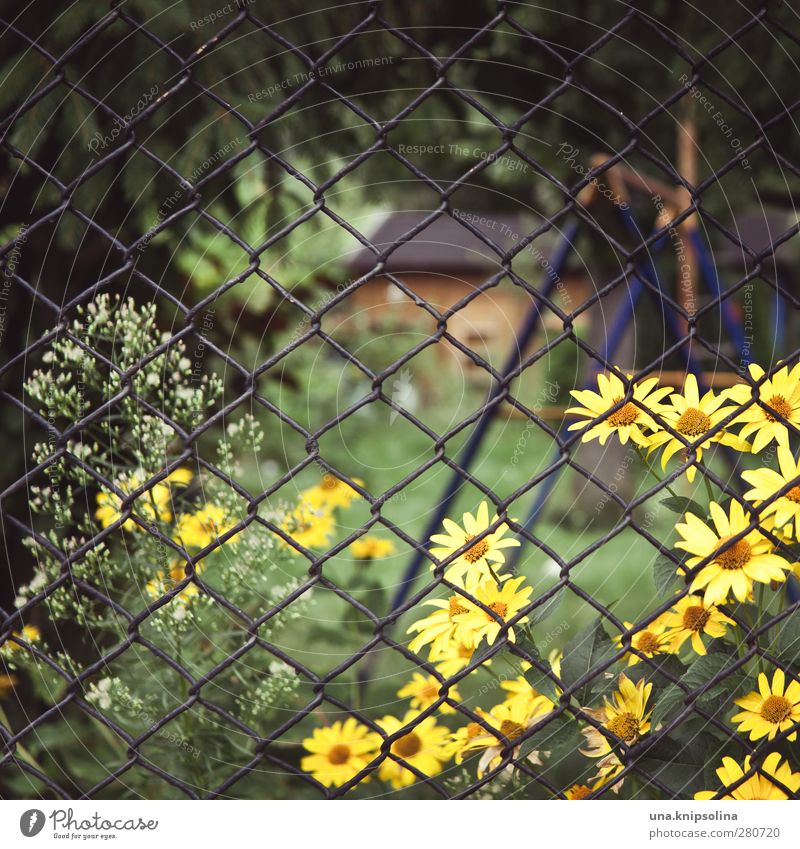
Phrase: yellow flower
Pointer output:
(649, 641)
(201, 528)
(330, 493)
(578, 791)
(423, 690)
(629, 421)
(780, 393)
(29, 633)
(735, 566)
(554, 659)
(7, 683)
(626, 717)
(505, 602)
(474, 564)
(767, 482)
(161, 584)
(771, 709)
(371, 548)
(452, 657)
(151, 504)
(424, 747)
(339, 752)
(521, 693)
(510, 719)
(311, 527)
(689, 618)
(692, 416)
(439, 628)
(758, 786)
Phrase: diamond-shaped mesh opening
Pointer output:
(402, 401)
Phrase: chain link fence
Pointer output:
(60, 207)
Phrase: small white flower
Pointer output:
(100, 693)
(278, 667)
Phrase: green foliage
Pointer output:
(715, 700)
(665, 576)
(583, 654)
(141, 567)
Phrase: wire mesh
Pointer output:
(120, 267)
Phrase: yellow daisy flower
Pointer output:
(505, 601)
(520, 692)
(423, 690)
(511, 719)
(424, 747)
(339, 752)
(690, 618)
(766, 482)
(627, 717)
(154, 503)
(311, 527)
(452, 657)
(650, 641)
(578, 791)
(29, 633)
(439, 628)
(474, 564)
(758, 786)
(771, 709)
(692, 416)
(371, 548)
(7, 684)
(629, 421)
(780, 393)
(735, 566)
(330, 493)
(203, 526)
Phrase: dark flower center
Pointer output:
(625, 415)
(407, 746)
(734, 556)
(339, 754)
(775, 709)
(693, 422)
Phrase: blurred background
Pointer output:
(255, 188)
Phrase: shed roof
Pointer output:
(446, 245)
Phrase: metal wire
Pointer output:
(573, 213)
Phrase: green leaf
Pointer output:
(483, 650)
(715, 700)
(583, 654)
(680, 766)
(541, 683)
(655, 672)
(703, 669)
(788, 648)
(680, 505)
(561, 732)
(669, 703)
(665, 577)
(544, 610)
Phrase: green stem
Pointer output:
(760, 604)
(652, 471)
(22, 752)
(494, 575)
(708, 489)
